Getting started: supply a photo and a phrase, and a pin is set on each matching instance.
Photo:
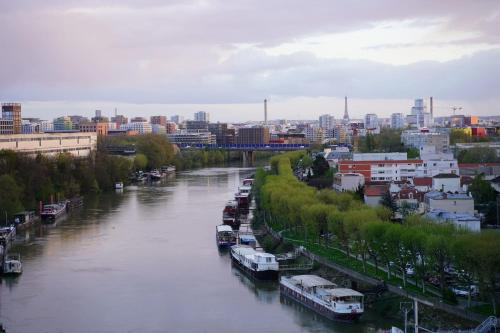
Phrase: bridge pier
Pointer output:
(248, 157)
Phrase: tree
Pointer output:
(320, 166)
(389, 202)
(157, 149)
(413, 152)
(10, 192)
(477, 155)
(140, 162)
(481, 190)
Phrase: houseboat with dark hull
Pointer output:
(323, 297)
(53, 211)
(260, 265)
(12, 265)
(225, 236)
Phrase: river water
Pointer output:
(145, 260)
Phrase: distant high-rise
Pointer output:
(202, 116)
(346, 113)
(12, 111)
(326, 121)
(371, 121)
(63, 124)
(158, 120)
(419, 116)
(177, 119)
(397, 120)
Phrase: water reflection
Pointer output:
(145, 260)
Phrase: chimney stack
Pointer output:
(431, 107)
(265, 112)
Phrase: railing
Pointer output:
(487, 325)
(263, 146)
(297, 267)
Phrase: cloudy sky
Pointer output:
(175, 57)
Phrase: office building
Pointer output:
(91, 127)
(371, 121)
(171, 127)
(421, 138)
(197, 125)
(119, 120)
(158, 120)
(253, 135)
(202, 116)
(397, 120)
(327, 122)
(12, 111)
(177, 119)
(223, 134)
(77, 144)
(419, 116)
(185, 138)
(63, 124)
(141, 127)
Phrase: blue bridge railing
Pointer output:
(270, 146)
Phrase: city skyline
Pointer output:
(222, 58)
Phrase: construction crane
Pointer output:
(455, 108)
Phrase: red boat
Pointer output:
(243, 199)
(231, 221)
(231, 208)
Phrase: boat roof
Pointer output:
(245, 187)
(243, 249)
(223, 227)
(264, 254)
(344, 292)
(247, 237)
(310, 281)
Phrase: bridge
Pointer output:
(247, 147)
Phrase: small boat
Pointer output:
(225, 236)
(260, 265)
(243, 199)
(156, 175)
(231, 208)
(168, 169)
(12, 264)
(231, 221)
(119, 186)
(247, 182)
(53, 211)
(247, 239)
(323, 296)
(7, 235)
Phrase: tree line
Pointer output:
(342, 220)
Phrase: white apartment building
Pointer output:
(142, 127)
(371, 121)
(450, 202)
(327, 122)
(420, 138)
(436, 163)
(348, 181)
(77, 144)
(397, 120)
(379, 156)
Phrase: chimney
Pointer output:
(265, 112)
(431, 107)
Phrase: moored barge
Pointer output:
(225, 236)
(323, 297)
(260, 265)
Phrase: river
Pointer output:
(145, 260)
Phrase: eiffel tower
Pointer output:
(346, 114)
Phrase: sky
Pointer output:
(146, 57)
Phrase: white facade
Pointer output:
(379, 156)
(348, 181)
(397, 120)
(393, 171)
(326, 122)
(142, 127)
(77, 144)
(450, 202)
(446, 183)
(46, 126)
(371, 121)
(417, 139)
(202, 116)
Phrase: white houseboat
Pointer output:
(323, 297)
(12, 264)
(53, 211)
(260, 265)
(225, 236)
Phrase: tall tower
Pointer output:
(265, 112)
(346, 114)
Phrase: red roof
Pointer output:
(375, 190)
(422, 181)
(380, 161)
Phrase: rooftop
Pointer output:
(422, 181)
(310, 281)
(375, 190)
(439, 214)
(446, 175)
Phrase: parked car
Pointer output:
(464, 290)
